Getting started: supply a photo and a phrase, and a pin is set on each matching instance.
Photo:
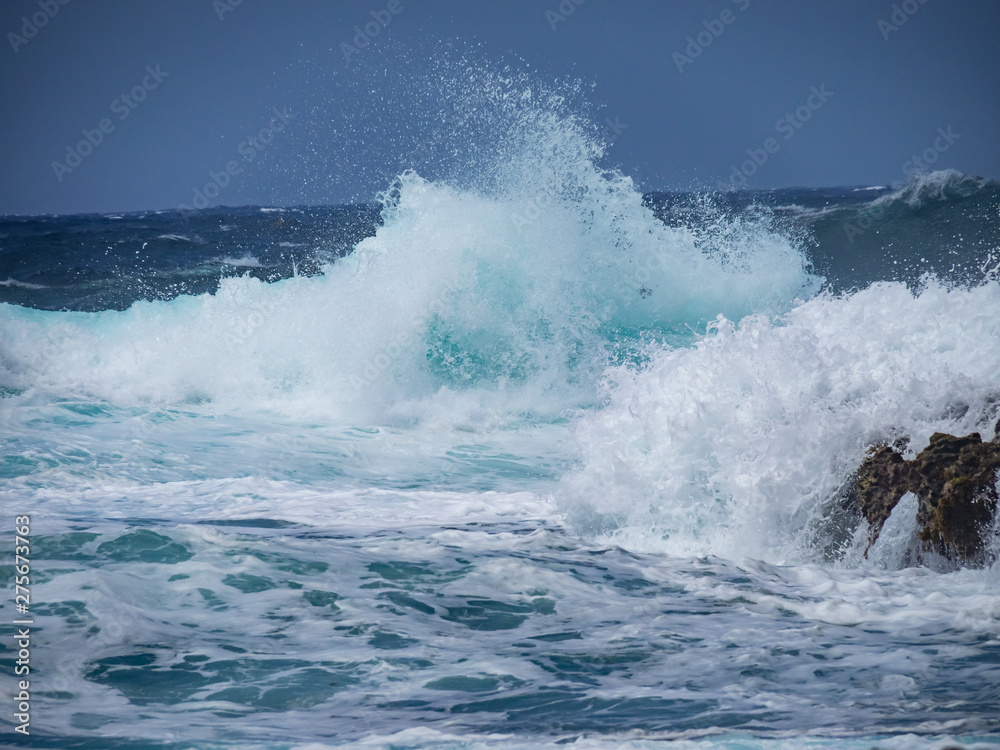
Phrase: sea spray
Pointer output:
(450, 293)
(739, 445)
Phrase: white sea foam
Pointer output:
(898, 542)
(244, 261)
(938, 185)
(739, 445)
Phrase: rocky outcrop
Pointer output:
(955, 481)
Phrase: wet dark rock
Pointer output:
(955, 481)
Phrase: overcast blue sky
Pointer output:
(181, 87)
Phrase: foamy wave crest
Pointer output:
(940, 185)
(506, 288)
(740, 445)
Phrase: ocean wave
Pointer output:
(940, 185)
(740, 445)
(517, 283)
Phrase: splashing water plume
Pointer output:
(518, 275)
